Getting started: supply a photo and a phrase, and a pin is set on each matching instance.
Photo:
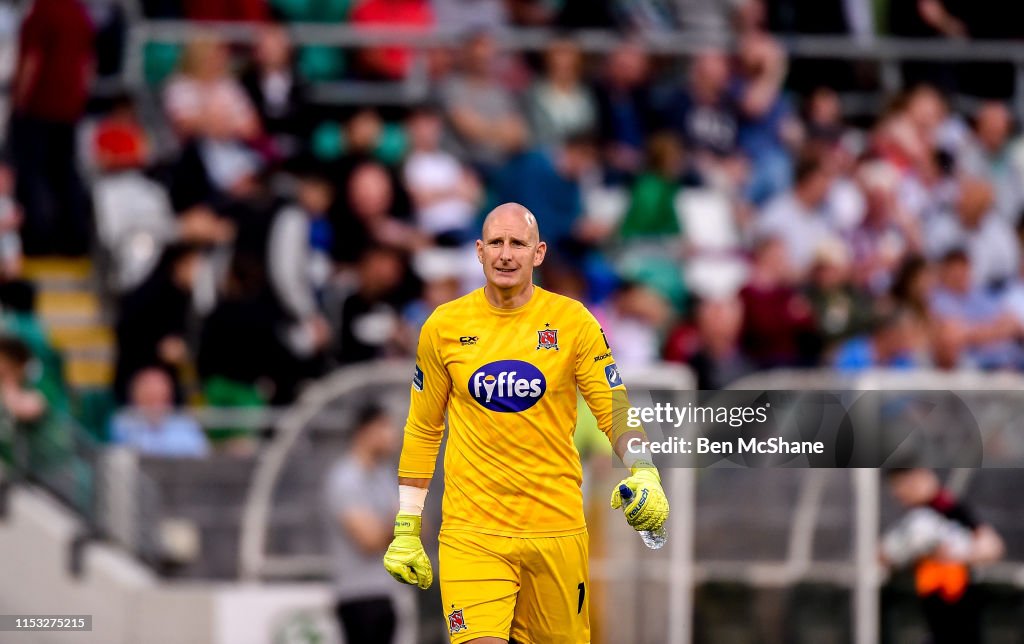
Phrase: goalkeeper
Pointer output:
(505, 362)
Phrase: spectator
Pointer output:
(369, 216)
(367, 320)
(841, 309)
(990, 156)
(777, 320)
(976, 226)
(239, 348)
(624, 109)
(119, 140)
(216, 166)
(547, 182)
(911, 290)
(559, 104)
(652, 212)
(445, 194)
(152, 320)
(635, 319)
(392, 62)
(47, 443)
(1013, 298)
(360, 500)
(767, 125)
(799, 217)
(314, 194)
(20, 401)
(48, 96)
(151, 426)
(271, 259)
(823, 118)
(942, 574)
(719, 361)
(890, 345)
(484, 115)
(18, 320)
(440, 284)
(888, 232)
(706, 117)
(278, 92)
(205, 80)
(361, 140)
(978, 318)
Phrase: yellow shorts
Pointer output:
(530, 590)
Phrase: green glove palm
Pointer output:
(648, 510)
(406, 559)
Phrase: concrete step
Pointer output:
(72, 338)
(73, 317)
(88, 372)
(42, 268)
(67, 307)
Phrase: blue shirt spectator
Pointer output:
(860, 353)
(889, 346)
(547, 183)
(151, 426)
(172, 435)
(988, 329)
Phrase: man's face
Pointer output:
(384, 437)
(914, 487)
(956, 275)
(510, 250)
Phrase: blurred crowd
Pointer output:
(725, 213)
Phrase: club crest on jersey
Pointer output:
(507, 386)
(547, 338)
(456, 622)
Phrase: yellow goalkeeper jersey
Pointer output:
(508, 380)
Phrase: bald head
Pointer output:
(514, 215)
(509, 251)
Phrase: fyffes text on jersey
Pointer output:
(507, 385)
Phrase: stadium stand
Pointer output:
(248, 196)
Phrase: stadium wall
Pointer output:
(130, 605)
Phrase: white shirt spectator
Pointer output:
(801, 229)
(439, 172)
(187, 100)
(992, 246)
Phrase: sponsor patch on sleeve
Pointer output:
(417, 379)
(611, 372)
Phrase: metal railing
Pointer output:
(888, 52)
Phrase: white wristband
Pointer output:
(411, 499)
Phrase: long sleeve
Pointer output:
(431, 387)
(598, 379)
(289, 261)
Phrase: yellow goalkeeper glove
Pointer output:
(406, 559)
(648, 509)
